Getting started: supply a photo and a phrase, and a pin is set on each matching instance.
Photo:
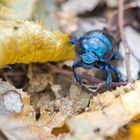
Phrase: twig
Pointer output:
(135, 4)
(125, 45)
(85, 76)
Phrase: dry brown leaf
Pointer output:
(18, 120)
(39, 82)
(132, 38)
(109, 112)
(62, 108)
(67, 22)
(89, 24)
(122, 134)
(45, 12)
(16, 9)
(78, 6)
(112, 3)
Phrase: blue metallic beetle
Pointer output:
(95, 49)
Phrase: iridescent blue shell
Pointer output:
(98, 42)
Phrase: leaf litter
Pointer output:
(54, 107)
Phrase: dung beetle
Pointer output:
(95, 49)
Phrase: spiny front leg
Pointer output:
(117, 73)
(109, 78)
(76, 64)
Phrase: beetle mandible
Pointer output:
(95, 49)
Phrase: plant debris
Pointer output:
(39, 99)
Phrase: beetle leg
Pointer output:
(74, 66)
(109, 78)
(117, 73)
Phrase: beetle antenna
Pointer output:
(74, 42)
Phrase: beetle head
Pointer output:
(88, 57)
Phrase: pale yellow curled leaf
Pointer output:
(135, 132)
(16, 9)
(107, 113)
(26, 42)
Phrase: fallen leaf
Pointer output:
(26, 42)
(16, 9)
(80, 7)
(19, 123)
(112, 3)
(67, 22)
(45, 13)
(132, 38)
(135, 132)
(107, 113)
